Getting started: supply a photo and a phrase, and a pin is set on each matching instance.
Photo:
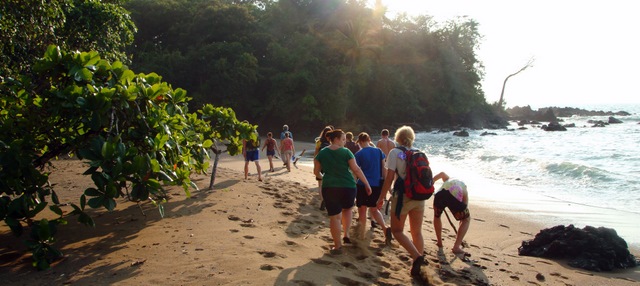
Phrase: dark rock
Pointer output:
(462, 133)
(570, 125)
(527, 113)
(487, 133)
(613, 120)
(590, 248)
(553, 126)
(598, 123)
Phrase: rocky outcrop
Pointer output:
(462, 133)
(613, 120)
(552, 113)
(590, 248)
(553, 126)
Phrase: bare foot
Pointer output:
(459, 251)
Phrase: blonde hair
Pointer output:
(405, 136)
(349, 136)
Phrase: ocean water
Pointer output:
(583, 176)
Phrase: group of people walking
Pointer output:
(358, 173)
(285, 151)
(365, 178)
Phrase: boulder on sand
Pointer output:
(590, 248)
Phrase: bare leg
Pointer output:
(362, 221)
(287, 157)
(397, 228)
(259, 170)
(246, 170)
(270, 163)
(437, 226)
(462, 230)
(415, 224)
(334, 226)
(347, 215)
(375, 214)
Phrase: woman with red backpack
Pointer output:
(414, 209)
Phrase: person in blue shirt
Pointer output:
(371, 161)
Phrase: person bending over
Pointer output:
(453, 195)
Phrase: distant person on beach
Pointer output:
(271, 146)
(338, 185)
(371, 161)
(285, 129)
(453, 195)
(385, 144)
(351, 145)
(396, 164)
(251, 154)
(322, 142)
(287, 150)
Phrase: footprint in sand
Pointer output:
(361, 257)
(302, 283)
(269, 267)
(321, 261)
(267, 254)
(349, 281)
(290, 243)
(365, 275)
(249, 236)
(349, 265)
(384, 274)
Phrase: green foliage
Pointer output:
(134, 132)
(316, 61)
(27, 27)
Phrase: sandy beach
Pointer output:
(246, 232)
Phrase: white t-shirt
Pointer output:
(396, 161)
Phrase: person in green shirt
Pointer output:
(338, 185)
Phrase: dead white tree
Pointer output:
(529, 64)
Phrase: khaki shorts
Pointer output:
(407, 204)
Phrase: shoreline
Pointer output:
(537, 211)
(272, 233)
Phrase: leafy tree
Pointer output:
(313, 60)
(133, 130)
(27, 27)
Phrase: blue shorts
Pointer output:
(271, 153)
(337, 199)
(252, 155)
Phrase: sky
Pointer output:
(585, 52)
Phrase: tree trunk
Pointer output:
(530, 63)
(215, 167)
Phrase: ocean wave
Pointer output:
(578, 171)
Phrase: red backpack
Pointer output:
(418, 184)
